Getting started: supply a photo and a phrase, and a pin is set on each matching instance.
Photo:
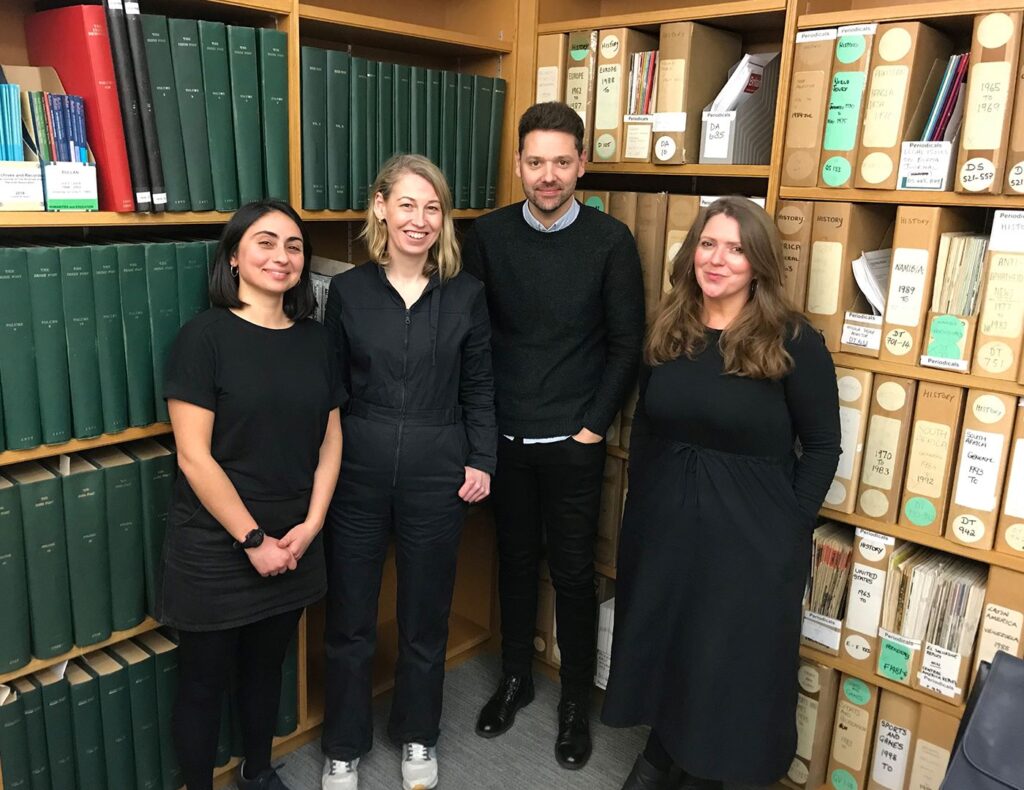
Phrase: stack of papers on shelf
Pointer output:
(948, 107)
(830, 569)
(871, 271)
(743, 82)
(643, 83)
(958, 269)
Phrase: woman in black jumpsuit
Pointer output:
(413, 347)
(717, 527)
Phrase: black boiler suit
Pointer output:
(420, 409)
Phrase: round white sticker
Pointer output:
(977, 174)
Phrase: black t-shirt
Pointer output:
(270, 390)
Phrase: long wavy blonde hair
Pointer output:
(753, 344)
(444, 257)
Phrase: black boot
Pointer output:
(499, 714)
(573, 745)
(267, 779)
(645, 776)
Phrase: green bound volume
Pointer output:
(449, 105)
(463, 139)
(110, 338)
(433, 107)
(85, 529)
(156, 471)
(116, 712)
(417, 110)
(193, 279)
(46, 558)
(80, 330)
(123, 496)
(165, 111)
(15, 768)
(145, 722)
(35, 732)
(162, 292)
(188, 84)
(15, 648)
(483, 88)
(165, 663)
(288, 707)
(385, 114)
(273, 57)
(213, 38)
(314, 128)
(138, 344)
(494, 141)
(359, 176)
(51, 343)
(17, 352)
(60, 744)
(245, 112)
(338, 153)
(373, 69)
(402, 75)
(86, 728)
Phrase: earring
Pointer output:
(234, 272)
(753, 286)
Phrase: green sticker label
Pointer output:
(894, 661)
(843, 780)
(850, 48)
(920, 511)
(579, 52)
(857, 691)
(595, 202)
(842, 122)
(836, 171)
(946, 338)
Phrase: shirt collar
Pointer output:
(561, 223)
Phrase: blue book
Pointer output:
(78, 112)
(60, 134)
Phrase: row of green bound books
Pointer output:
(80, 543)
(356, 113)
(104, 720)
(85, 331)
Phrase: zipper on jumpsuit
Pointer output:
(401, 417)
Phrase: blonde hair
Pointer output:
(444, 256)
(753, 344)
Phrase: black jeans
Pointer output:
(206, 660)
(427, 523)
(555, 487)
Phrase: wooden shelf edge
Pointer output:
(608, 571)
(649, 169)
(95, 219)
(78, 445)
(985, 556)
(407, 30)
(640, 18)
(902, 197)
(864, 673)
(933, 375)
(308, 215)
(37, 664)
(618, 452)
(898, 11)
(273, 6)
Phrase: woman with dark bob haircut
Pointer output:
(252, 390)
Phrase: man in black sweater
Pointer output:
(565, 295)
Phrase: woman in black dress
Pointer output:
(252, 391)
(717, 527)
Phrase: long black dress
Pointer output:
(713, 557)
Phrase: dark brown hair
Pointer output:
(551, 116)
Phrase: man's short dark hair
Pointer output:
(551, 116)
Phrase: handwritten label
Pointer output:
(638, 137)
(947, 335)
(547, 83)
(929, 768)
(670, 122)
(929, 452)
(988, 95)
(940, 671)
(1002, 312)
(981, 455)
(925, 166)
(1014, 504)
(806, 718)
(805, 101)
(822, 630)
(892, 753)
(849, 421)
(608, 101)
(844, 106)
(1000, 630)
(850, 736)
(977, 174)
(884, 110)
(895, 656)
(906, 286)
(1015, 177)
(899, 342)
(866, 337)
(823, 277)
(577, 80)
(864, 607)
(717, 133)
(880, 451)
(1007, 231)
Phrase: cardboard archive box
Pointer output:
(933, 747)
(885, 447)
(997, 352)
(845, 107)
(859, 638)
(1010, 528)
(581, 80)
(895, 730)
(651, 213)
(815, 709)
(807, 107)
(614, 48)
(854, 398)
(682, 211)
(794, 219)
(552, 51)
(852, 733)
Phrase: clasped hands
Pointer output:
(278, 555)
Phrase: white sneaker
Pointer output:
(419, 766)
(340, 774)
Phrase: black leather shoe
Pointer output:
(499, 714)
(267, 779)
(645, 776)
(573, 746)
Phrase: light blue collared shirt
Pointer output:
(561, 223)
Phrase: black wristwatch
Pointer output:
(253, 539)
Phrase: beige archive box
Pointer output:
(933, 747)
(938, 413)
(682, 212)
(839, 234)
(866, 593)
(981, 464)
(907, 63)
(1010, 528)
(995, 45)
(915, 244)
(628, 410)
(885, 447)
(895, 730)
(854, 399)
(998, 344)
(807, 107)
(614, 48)
(847, 96)
(1015, 142)
(597, 199)
(609, 517)
(552, 51)
(651, 213)
(1002, 619)
(622, 206)
(693, 65)
(581, 80)
(852, 734)
(794, 219)
(815, 708)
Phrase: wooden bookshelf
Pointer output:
(880, 12)
(360, 216)
(927, 374)
(650, 169)
(108, 219)
(902, 197)
(567, 17)
(78, 445)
